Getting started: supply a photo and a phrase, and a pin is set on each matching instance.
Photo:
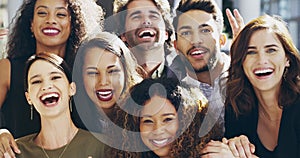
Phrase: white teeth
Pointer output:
(197, 52)
(263, 71)
(49, 96)
(163, 141)
(50, 31)
(103, 92)
(146, 31)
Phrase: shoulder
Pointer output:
(5, 73)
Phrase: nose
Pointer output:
(51, 19)
(47, 86)
(103, 79)
(196, 39)
(147, 22)
(262, 58)
(158, 128)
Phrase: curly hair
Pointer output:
(191, 107)
(120, 7)
(21, 44)
(239, 91)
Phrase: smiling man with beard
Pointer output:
(146, 27)
(199, 25)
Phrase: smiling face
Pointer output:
(158, 125)
(265, 61)
(198, 38)
(48, 89)
(104, 77)
(51, 24)
(144, 26)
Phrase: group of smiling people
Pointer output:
(91, 93)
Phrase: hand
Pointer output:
(3, 32)
(7, 143)
(236, 22)
(240, 146)
(216, 149)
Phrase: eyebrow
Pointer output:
(189, 27)
(38, 75)
(95, 68)
(165, 114)
(139, 12)
(57, 8)
(267, 46)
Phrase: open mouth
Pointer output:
(146, 34)
(161, 142)
(263, 72)
(50, 99)
(104, 95)
(50, 31)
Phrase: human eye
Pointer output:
(154, 16)
(113, 71)
(185, 33)
(251, 52)
(147, 121)
(136, 17)
(205, 30)
(36, 81)
(56, 77)
(41, 13)
(61, 14)
(271, 50)
(92, 73)
(168, 119)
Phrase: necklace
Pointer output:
(65, 148)
(61, 154)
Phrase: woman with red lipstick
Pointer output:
(48, 88)
(263, 93)
(104, 70)
(162, 119)
(56, 26)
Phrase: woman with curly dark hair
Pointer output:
(161, 118)
(56, 26)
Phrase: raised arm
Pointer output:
(5, 79)
(236, 21)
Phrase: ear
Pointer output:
(123, 38)
(72, 88)
(223, 39)
(167, 35)
(28, 98)
(175, 44)
(287, 63)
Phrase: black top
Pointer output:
(15, 112)
(288, 137)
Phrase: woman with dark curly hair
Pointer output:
(161, 118)
(56, 26)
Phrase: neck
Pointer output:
(210, 75)
(52, 135)
(268, 105)
(58, 50)
(150, 58)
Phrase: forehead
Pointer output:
(100, 57)
(141, 5)
(52, 3)
(42, 67)
(195, 18)
(264, 37)
(157, 106)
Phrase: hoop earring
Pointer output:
(31, 112)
